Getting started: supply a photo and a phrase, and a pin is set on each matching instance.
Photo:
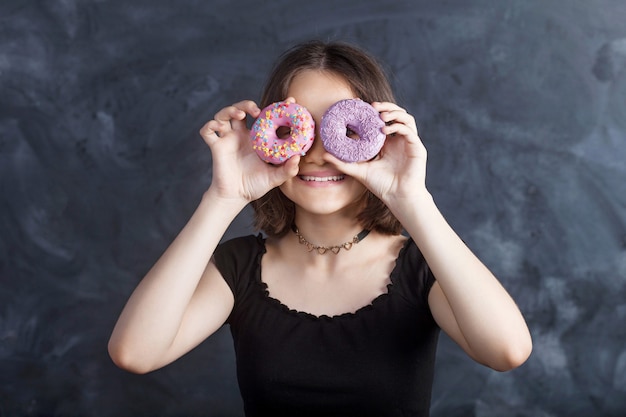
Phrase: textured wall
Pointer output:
(522, 105)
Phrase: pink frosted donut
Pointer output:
(360, 117)
(265, 140)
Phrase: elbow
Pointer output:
(513, 356)
(123, 358)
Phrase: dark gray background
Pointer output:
(521, 104)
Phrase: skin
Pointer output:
(183, 299)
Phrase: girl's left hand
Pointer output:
(398, 173)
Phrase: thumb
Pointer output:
(350, 168)
(287, 170)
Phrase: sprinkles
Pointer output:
(265, 140)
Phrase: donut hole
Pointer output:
(283, 132)
(351, 133)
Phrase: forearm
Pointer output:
(152, 316)
(488, 319)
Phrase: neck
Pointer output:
(327, 229)
(335, 248)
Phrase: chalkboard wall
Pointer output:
(521, 104)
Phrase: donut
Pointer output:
(358, 116)
(265, 140)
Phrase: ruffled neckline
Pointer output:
(276, 303)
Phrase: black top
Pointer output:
(378, 361)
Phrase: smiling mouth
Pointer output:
(322, 179)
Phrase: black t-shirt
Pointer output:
(378, 361)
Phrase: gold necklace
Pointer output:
(334, 249)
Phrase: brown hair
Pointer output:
(274, 212)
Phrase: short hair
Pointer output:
(274, 213)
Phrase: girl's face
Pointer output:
(319, 187)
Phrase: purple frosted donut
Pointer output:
(360, 117)
(265, 140)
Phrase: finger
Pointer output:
(291, 167)
(233, 117)
(286, 171)
(391, 113)
(382, 106)
(401, 129)
(220, 128)
(349, 168)
(221, 122)
(396, 126)
(398, 116)
(208, 133)
(249, 107)
(228, 113)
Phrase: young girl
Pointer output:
(318, 332)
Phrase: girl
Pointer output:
(318, 332)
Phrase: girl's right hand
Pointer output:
(238, 173)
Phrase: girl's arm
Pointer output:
(467, 301)
(183, 299)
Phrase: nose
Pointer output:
(314, 154)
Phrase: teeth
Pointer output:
(322, 179)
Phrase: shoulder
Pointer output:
(241, 245)
(412, 273)
(235, 257)
(410, 255)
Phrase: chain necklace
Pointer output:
(325, 249)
